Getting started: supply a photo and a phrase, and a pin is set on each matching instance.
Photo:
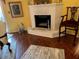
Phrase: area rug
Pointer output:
(4, 53)
(41, 52)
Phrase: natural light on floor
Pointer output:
(4, 53)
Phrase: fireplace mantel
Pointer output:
(54, 10)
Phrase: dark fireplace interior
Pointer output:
(43, 21)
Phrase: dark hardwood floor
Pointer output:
(25, 40)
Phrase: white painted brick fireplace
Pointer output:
(54, 10)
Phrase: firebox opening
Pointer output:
(43, 21)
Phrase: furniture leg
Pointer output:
(59, 32)
(1, 44)
(9, 47)
(75, 37)
(65, 31)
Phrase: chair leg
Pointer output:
(75, 37)
(59, 32)
(9, 47)
(1, 47)
(1, 44)
(65, 31)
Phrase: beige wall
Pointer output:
(14, 22)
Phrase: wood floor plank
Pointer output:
(25, 40)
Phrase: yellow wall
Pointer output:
(69, 3)
(13, 22)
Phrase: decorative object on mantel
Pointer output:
(57, 1)
(40, 2)
(42, 52)
(60, 1)
(31, 2)
(45, 1)
(16, 9)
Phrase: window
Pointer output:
(1, 14)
